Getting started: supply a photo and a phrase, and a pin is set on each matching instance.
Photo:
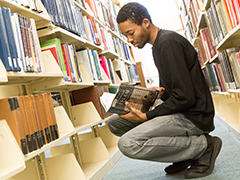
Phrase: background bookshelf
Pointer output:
(85, 146)
(217, 50)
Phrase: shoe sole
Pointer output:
(182, 168)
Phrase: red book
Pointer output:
(104, 38)
(103, 63)
(212, 49)
(229, 13)
(236, 6)
(94, 28)
(53, 50)
(67, 62)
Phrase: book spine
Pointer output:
(25, 122)
(67, 62)
(14, 106)
(11, 40)
(24, 41)
(27, 32)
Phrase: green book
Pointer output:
(61, 62)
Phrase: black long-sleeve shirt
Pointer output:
(186, 90)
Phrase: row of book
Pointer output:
(224, 74)
(190, 15)
(206, 49)
(195, 9)
(101, 12)
(31, 119)
(19, 43)
(222, 17)
(67, 15)
(65, 56)
(69, 59)
(86, 26)
(125, 72)
(105, 13)
(34, 5)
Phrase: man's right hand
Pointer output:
(160, 89)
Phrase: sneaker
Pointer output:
(178, 167)
(205, 164)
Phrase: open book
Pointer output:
(139, 97)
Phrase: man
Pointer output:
(178, 129)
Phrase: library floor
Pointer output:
(227, 165)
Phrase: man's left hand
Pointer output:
(134, 115)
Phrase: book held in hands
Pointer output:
(139, 98)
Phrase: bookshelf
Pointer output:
(75, 154)
(225, 92)
(41, 20)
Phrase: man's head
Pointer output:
(134, 22)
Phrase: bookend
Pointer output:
(13, 164)
(64, 167)
(31, 171)
(3, 73)
(65, 125)
(50, 63)
(95, 158)
(118, 80)
(84, 114)
(105, 77)
(86, 77)
(110, 141)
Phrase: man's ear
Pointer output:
(146, 23)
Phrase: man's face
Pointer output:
(137, 35)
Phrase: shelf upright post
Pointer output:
(66, 102)
(95, 130)
(40, 162)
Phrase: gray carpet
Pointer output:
(227, 166)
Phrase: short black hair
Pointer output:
(134, 12)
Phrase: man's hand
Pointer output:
(134, 115)
(161, 90)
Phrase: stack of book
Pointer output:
(224, 74)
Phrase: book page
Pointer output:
(106, 100)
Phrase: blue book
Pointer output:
(77, 20)
(119, 47)
(11, 40)
(66, 15)
(62, 18)
(4, 47)
(76, 61)
(96, 65)
(84, 35)
(70, 10)
(92, 33)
